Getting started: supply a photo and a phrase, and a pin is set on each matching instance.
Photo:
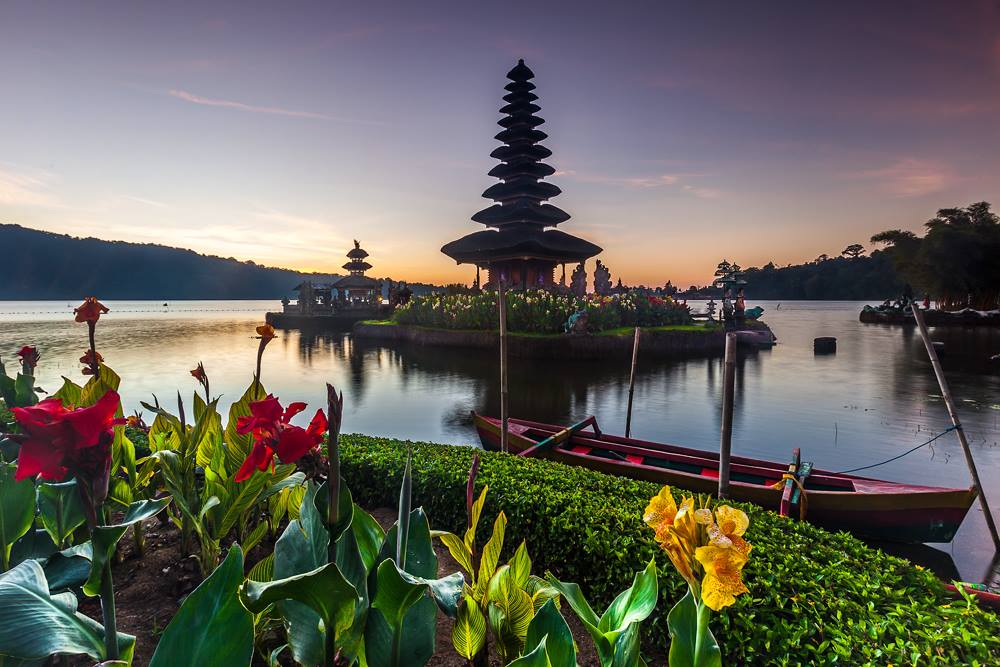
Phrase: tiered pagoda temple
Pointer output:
(521, 245)
(356, 287)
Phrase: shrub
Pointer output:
(540, 311)
(815, 597)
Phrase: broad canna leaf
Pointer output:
(550, 627)
(509, 611)
(477, 511)
(401, 624)
(520, 566)
(538, 657)
(456, 547)
(212, 627)
(468, 635)
(490, 557)
(17, 510)
(104, 539)
(302, 548)
(263, 570)
(256, 535)
(68, 569)
(632, 605)
(324, 590)
(691, 641)
(69, 392)
(35, 624)
(368, 534)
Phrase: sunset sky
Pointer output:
(683, 132)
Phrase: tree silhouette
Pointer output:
(853, 251)
(956, 260)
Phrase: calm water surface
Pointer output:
(874, 399)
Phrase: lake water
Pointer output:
(875, 398)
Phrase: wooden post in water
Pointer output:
(631, 384)
(728, 396)
(504, 416)
(953, 413)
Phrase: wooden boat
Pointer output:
(864, 506)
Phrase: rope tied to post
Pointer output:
(804, 503)
(909, 451)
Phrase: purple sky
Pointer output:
(683, 132)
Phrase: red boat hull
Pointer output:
(863, 506)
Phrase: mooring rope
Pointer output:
(909, 451)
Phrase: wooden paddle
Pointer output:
(556, 438)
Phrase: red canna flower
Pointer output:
(274, 435)
(56, 441)
(265, 332)
(29, 356)
(199, 373)
(90, 310)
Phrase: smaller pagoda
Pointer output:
(356, 288)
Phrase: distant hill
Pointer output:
(43, 265)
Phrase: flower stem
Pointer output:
(108, 613)
(94, 366)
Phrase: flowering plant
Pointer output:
(274, 435)
(708, 550)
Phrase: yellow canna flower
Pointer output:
(660, 513)
(730, 525)
(723, 575)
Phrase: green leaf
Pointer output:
(632, 605)
(477, 511)
(69, 568)
(549, 624)
(368, 534)
(17, 510)
(468, 635)
(211, 627)
(401, 624)
(69, 392)
(403, 521)
(104, 539)
(490, 556)
(263, 570)
(691, 640)
(509, 611)
(255, 536)
(537, 658)
(572, 594)
(35, 625)
(97, 386)
(421, 561)
(520, 566)
(302, 548)
(24, 391)
(456, 547)
(324, 590)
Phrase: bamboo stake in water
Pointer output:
(631, 384)
(728, 396)
(953, 413)
(504, 417)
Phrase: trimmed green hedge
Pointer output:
(815, 597)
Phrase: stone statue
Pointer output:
(602, 279)
(578, 281)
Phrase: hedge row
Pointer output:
(815, 597)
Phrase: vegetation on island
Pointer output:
(541, 311)
(955, 261)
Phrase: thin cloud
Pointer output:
(26, 188)
(643, 182)
(242, 106)
(910, 177)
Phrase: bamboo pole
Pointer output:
(953, 413)
(631, 384)
(728, 396)
(504, 417)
